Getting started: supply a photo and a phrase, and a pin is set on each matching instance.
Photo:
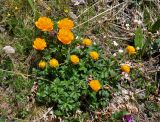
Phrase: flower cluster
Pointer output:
(65, 36)
(74, 65)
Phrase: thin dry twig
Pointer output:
(44, 115)
(98, 15)
(88, 9)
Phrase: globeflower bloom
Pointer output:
(95, 85)
(44, 24)
(42, 64)
(65, 24)
(131, 49)
(74, 59)
(125, 68)
(94, 55)
(39, 44)
(65, 36)
(53, 63)
(87, 42)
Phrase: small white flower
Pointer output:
(77, 2)
(120, 51)
(127, 25)
(94, 43)
(137, 48)
(115, 43)
(125, 76)
(114, 54)
(78, 112)
(77, 37)
(9, 49)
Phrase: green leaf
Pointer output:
(3, 120)
(118, 115)
(32, 5)
(139, 38)
(112, 73)
(156, 26)
(158, 41)
(145, 46)
(58, 113)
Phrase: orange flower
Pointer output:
(87, 42)
(65, 24)
(44, 24)
(42, 64)
(95, 85)
(39, 44)
(53, 63)
(65, 36)
(125, 68)
(131, 49)
(94, 55)
(74, 59)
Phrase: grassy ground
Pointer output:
(104, 22)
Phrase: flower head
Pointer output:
(87, 42)
(44, 24)
(53, 63)
(65, 24)
(42, 64)
(120, 51)
(115, 43)
(94, 55)
(95, 85)
(131, 49)
(39, 44)
(77, 2)
(125, 68)
(74, 59)
(65, 36)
